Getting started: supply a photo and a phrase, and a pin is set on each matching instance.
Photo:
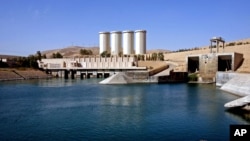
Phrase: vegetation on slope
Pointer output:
(25, 62)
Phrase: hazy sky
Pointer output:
(27, 26)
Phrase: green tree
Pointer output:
(44, 56)
(39, 55)
(139, 57)
(57, 55)
(239, 43)
(105, 54)
(90, 52)
(120, 54)
(142, 57)
(33, 61)
(136, 57)
(231, 44)
(160, 56)
(22, 62)
(86, 52)
(154, 56)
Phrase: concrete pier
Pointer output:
(66, 74)
(72, 74)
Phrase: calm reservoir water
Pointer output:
(59, 109)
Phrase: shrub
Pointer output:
(57, 55)
(86, 52)
(239, 43)
(193, 77)
(105, 54)
(231, 44)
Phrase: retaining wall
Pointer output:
(239, 84)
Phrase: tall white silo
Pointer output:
(104, 42)
(128, 42)
(116, 42)
(140, 42)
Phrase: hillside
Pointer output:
(157, 51)
(244, 48)
(21, 74)
(71, 51)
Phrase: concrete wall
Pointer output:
(208, 65)
(64, 63)
(223, 77)
(238, 58)
(138, 75)
(174, 77)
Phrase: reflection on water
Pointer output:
(239, 113)
(54, 82)
(58, 109)
(118, 95)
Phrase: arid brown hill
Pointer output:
(74, 51)
(71, 51)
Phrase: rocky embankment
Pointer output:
(15, 74)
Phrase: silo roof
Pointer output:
(128, 31)
(140, 31)
(104, 32)
(115, 32)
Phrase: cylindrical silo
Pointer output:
(104, 42)
(140, 42)
(116, 42)
(128, 42)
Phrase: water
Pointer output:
(59, 109)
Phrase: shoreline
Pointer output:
(13, 74)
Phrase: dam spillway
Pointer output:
(85, 67)
(237, 84)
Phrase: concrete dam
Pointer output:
(121, 69)
(90, 66)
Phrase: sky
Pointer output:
(28, 26)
